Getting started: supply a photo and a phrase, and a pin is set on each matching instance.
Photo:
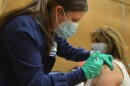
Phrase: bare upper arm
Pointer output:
(108, 77)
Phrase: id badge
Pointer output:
(53, 50)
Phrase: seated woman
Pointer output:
(108, 41)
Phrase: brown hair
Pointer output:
(116, 45)
(41, 10)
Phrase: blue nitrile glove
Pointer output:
(107, 60)
(93, 65)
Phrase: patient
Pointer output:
(108, 41)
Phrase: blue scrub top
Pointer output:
(23, 61)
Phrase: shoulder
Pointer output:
(24, 25)
(110, 78)
(21, 20)
(24, 21)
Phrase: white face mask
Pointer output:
(102, 47)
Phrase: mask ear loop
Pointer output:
(58, 22)
(64, 15)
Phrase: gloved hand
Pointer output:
(107, 60)
(93, 65)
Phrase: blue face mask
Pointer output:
(66, 29)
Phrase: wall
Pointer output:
(1, 6)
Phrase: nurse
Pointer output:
(32, 36)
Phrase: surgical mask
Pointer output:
(102, 47)
(66, 29)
